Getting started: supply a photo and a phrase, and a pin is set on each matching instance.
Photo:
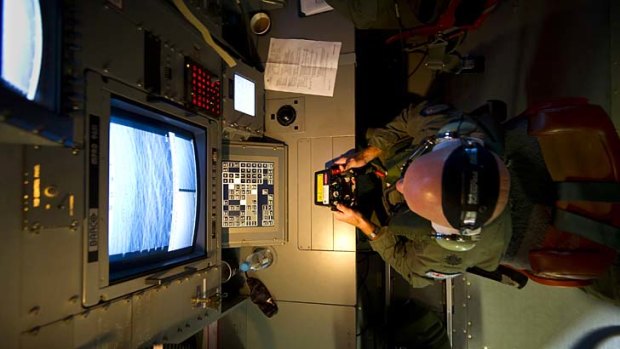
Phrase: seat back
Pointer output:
(579, 143)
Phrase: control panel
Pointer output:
(248, 194)
(254, 207)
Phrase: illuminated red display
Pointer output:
(203, 89)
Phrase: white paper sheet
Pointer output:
(313, 7)
(302, 66)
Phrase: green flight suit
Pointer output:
(405, 242)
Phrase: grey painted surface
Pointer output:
(314, 275)
(536, 316)
(537, 50)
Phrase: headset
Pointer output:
(466, 204)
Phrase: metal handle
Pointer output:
(156, 280)
(212, 301)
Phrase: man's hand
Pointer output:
(359, 159)
(348, 215)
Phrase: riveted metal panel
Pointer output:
(171, 304)
(107, 326)
(11, 178)
(57, 335)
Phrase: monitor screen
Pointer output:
(22, 45)
(153, 192)
(245, 95)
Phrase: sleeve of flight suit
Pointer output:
(401, 243)
(410, 126)
(399, 253)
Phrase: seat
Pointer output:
(438, 40)
(581, 152)
(456, 18)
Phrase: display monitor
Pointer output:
(152, 193)
(30, 51)
(244, 95)
(22, 45)
(151, 208)
(243, 105)
(30, 71)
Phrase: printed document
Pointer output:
(302, 66)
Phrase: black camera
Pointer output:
(333, 186)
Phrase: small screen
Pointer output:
(22, 45)
(245, 95)
(153, 193)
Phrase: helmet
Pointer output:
(458, 185)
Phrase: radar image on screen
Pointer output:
(152, 189)
(248, 194)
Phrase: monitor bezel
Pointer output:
(103, 95)
(234, 120)
(44, 112)
(276, 153)
(121, 270)
(47, 93)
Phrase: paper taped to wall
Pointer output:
(302, 66)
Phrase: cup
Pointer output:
(260, 23)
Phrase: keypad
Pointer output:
(248, 194)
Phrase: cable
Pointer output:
(400, 34)
(458, 127)
(418, 65)
(206, 35)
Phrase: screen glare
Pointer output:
(245, 95)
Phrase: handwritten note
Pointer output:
(302, 66)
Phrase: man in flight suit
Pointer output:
(445, 190)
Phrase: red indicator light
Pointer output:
(203, 89)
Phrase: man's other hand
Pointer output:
(359, 159)
(348, 215)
